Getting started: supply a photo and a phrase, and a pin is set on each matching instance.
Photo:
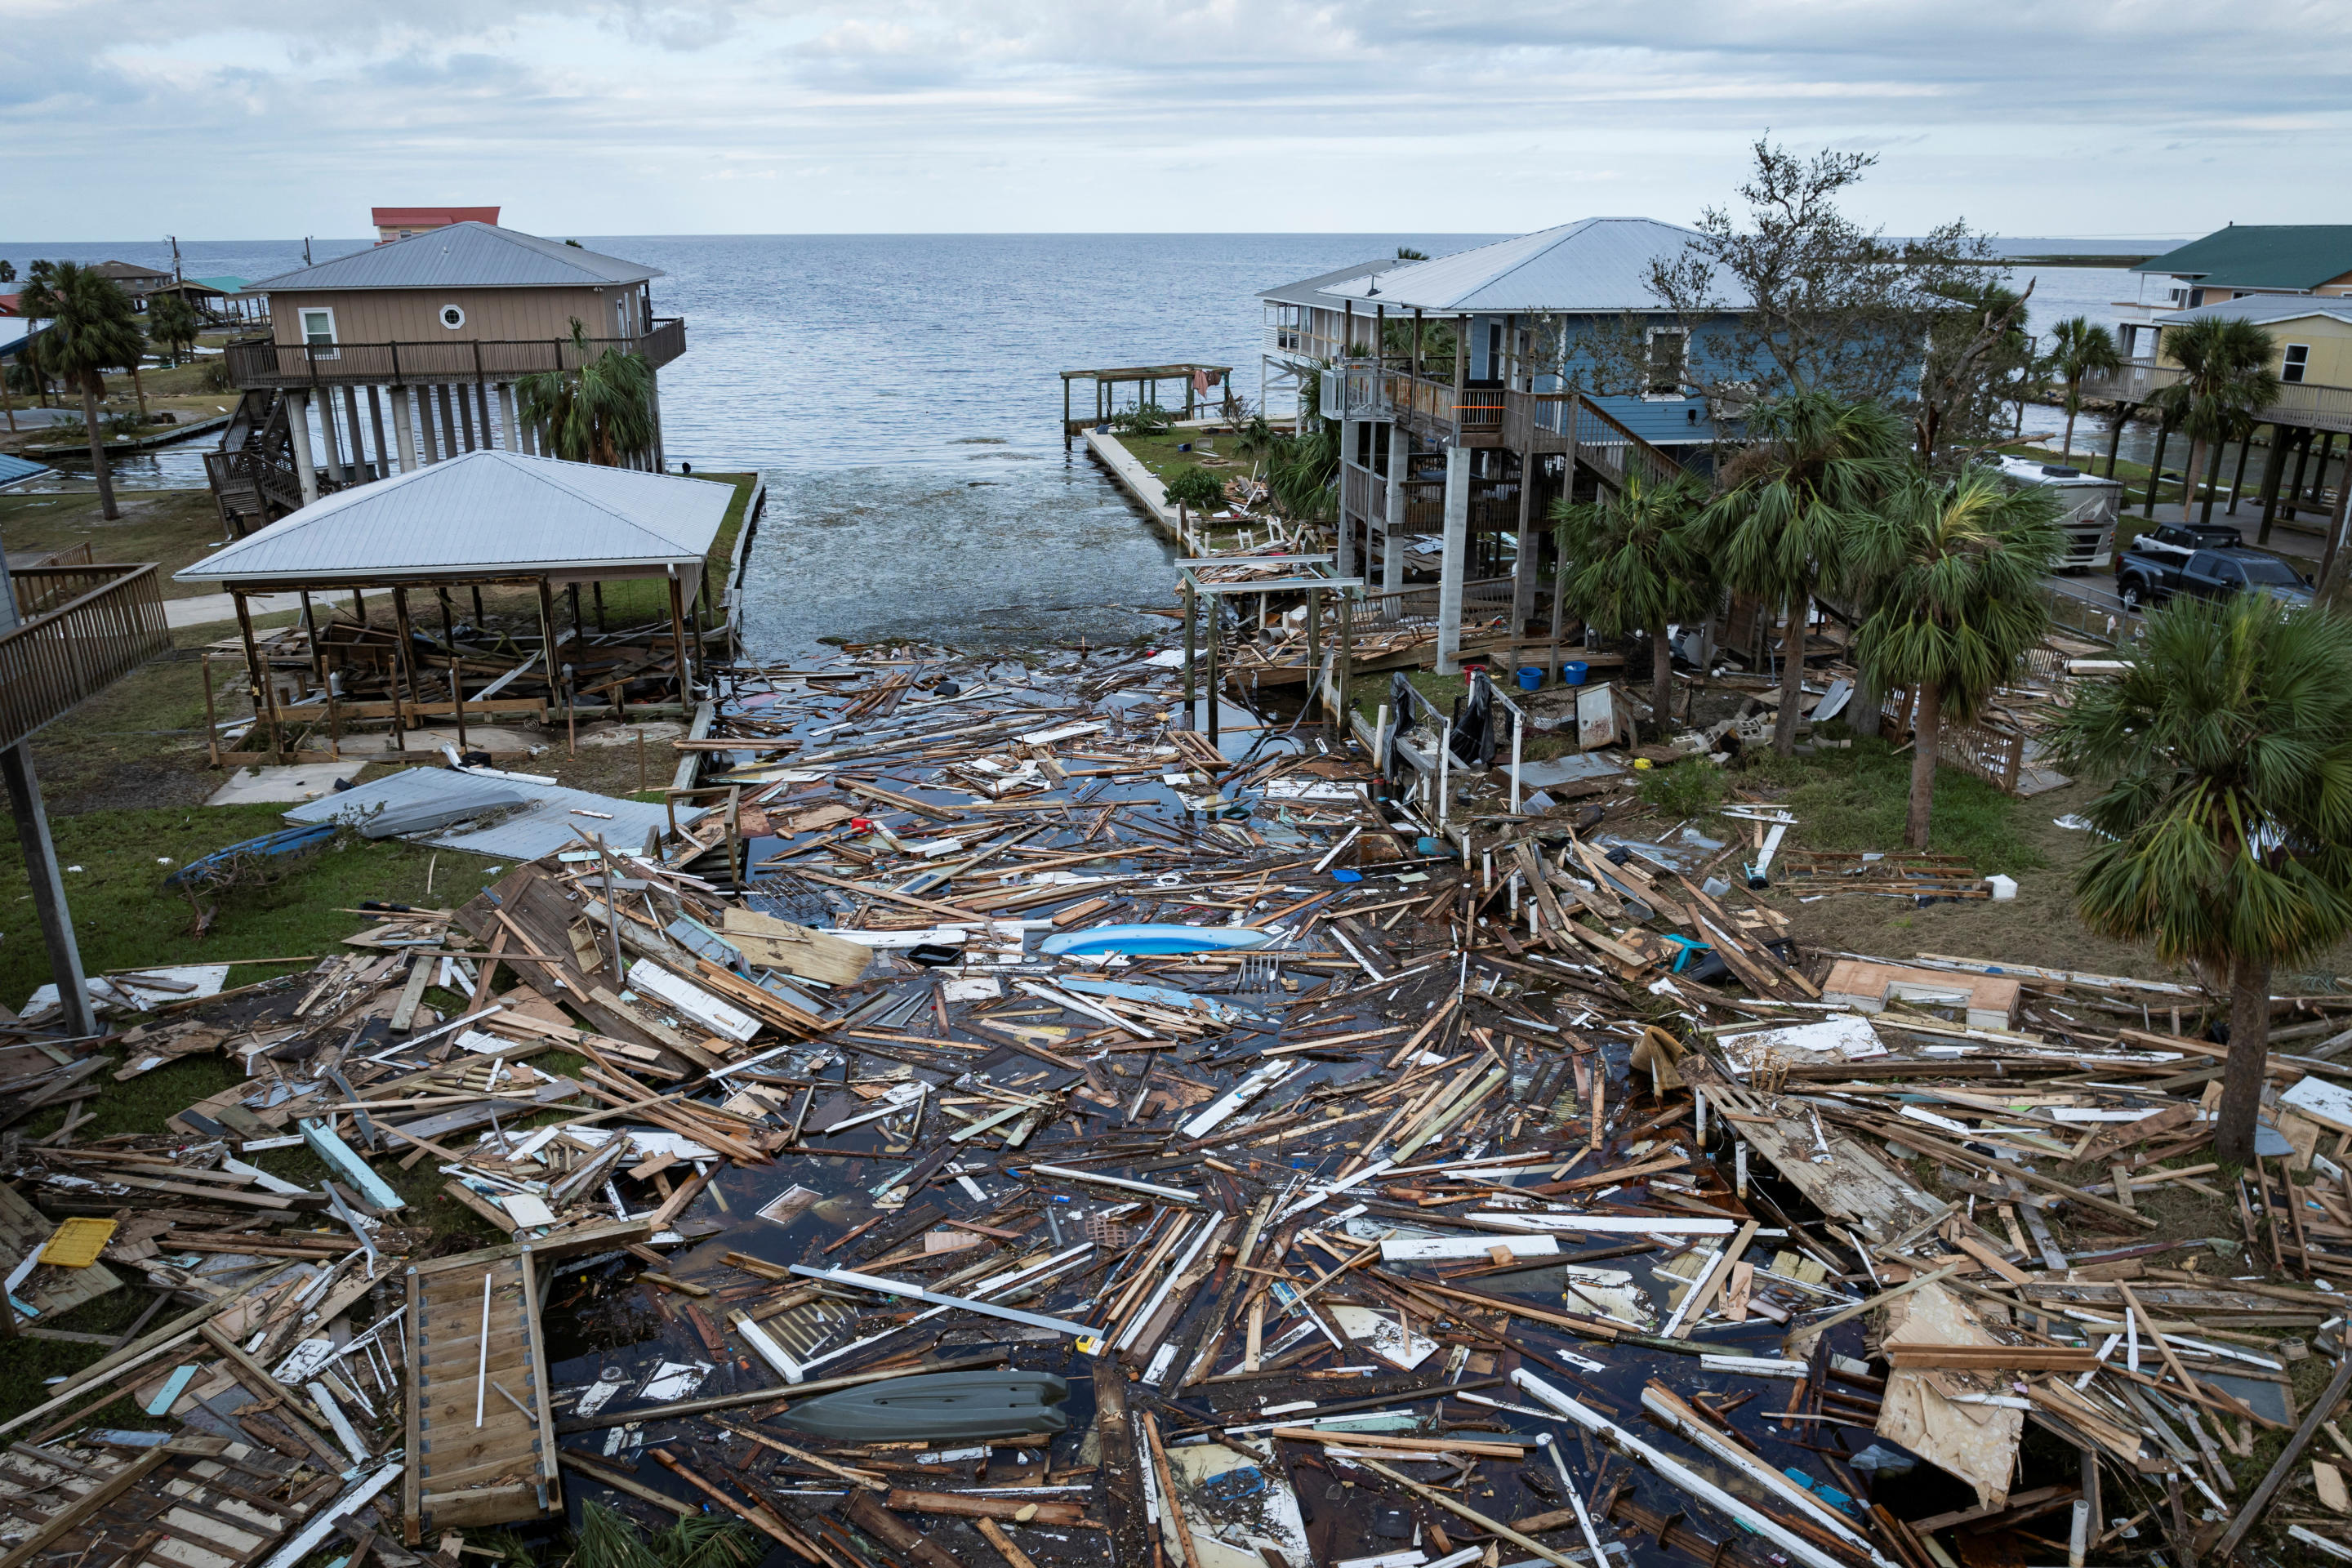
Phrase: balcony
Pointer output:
(260, 363)
(89, 626)
(2303, 405)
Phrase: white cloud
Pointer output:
(276, 116)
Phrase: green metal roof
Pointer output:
(2263, 255)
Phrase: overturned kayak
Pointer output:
(936, 1406)
(1144, 939)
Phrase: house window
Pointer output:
(452, 316)
(319, 333)
(2298, 361)
(1669, 356)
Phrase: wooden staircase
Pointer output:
(253, 477)
(480, 1439)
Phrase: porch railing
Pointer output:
(262, 362)
(111, 625)
(2301, 403)
(1602, 441)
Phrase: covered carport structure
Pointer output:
(489, 518)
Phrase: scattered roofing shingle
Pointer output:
(466, 255)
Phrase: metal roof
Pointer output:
(1592, 265)
(542, 826)
(466, 255)
(2263, 255)
(2264, 308)
(1308, 291)
(486, 513)
(15, 470)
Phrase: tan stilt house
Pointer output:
(405, 355)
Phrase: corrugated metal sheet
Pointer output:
(542, 826)
(1593, 264)
(466, 255)
(486, 511)
(15, 470)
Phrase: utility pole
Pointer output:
(176, 278)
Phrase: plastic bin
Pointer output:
(1572, 674)
(1530, 678)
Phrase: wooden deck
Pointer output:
(192, 1501)
(482, 1441)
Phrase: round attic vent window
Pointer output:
(452, 317)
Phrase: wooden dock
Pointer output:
(480, 1439)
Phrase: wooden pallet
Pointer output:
(477, 1458)
(195, 1501)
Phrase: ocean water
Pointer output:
(902, 395)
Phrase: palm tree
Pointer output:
(2225, 381)
(607, 1539)
(92, 328)
(2079, 348)
(601, 412)
(172, 324)
(1816, 466)
(2224, 829)
(1637, 562)
(1959, 564)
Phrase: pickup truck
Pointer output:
(2151, 576)
(2179, 541)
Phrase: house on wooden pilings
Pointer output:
(1472, 434)
(406, 353)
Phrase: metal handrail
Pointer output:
(55, 661)
(265, 362)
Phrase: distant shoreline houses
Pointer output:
(2295, 281)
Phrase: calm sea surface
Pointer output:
(902, 395)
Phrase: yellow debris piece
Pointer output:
(77, 1243)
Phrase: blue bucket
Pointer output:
(1530, 678)
(1574, 674)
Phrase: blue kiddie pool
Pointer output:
(1153, 939)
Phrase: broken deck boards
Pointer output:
(479, 1432)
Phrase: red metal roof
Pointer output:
(431, 217)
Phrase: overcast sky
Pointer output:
(247, 118)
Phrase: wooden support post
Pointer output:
(1216, 629)
(1314, 648)
(678, 640)
(265, 702)
(2238, 477)
(1347, 661)
(212, 721)
(1191, 646)
(2156, 466)
(2117, 421)
(2213, 482)
(2302, 462)
(405, 672)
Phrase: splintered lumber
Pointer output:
(988, 1507)
(895, 1533)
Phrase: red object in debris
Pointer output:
(861, 825)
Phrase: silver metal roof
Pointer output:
(2264, 308)
(466, 255)
(543, 825)
(486, 513)
(1592, 266)
(1308, 291)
